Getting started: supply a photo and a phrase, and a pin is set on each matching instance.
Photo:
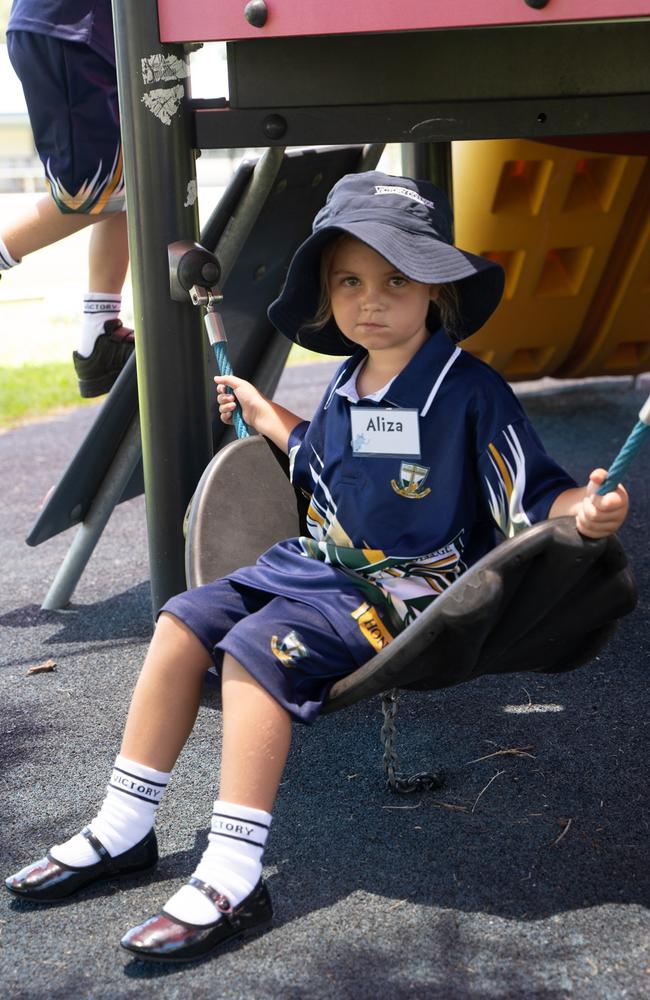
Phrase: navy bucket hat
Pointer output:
(408, 222)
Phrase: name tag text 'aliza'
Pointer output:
(385, 432)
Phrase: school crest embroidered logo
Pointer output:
(290, 649)
(411, 480)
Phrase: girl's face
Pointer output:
(375, 305)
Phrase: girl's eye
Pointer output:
(350, 281)
(398, 281)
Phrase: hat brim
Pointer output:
(479, 282)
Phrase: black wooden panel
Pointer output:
(550, 60)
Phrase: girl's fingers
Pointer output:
(597, 526)
(601, 515)
(228, 381)
(610, 506)
(596, 480)
(596, 521)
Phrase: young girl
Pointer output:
(417, 452)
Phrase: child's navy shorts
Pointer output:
(289, 647)
(71, 95)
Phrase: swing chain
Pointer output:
(401, 783)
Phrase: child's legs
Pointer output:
(108, 254)
(256, 739)
(40, 225)
(167, 696)
(71, 95)
(168, 692)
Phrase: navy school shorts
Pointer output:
(289, 647)
(71, 96)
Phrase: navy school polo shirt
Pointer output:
(398, 528)
(86, 21)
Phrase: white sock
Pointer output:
(133, 795)
(231, 863)
(6, 260)
(98, 307)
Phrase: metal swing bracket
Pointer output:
(195, 272)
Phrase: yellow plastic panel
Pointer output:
(615, 338)
(551, 217)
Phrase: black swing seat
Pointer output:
(544, 601)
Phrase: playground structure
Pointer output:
(423, 75)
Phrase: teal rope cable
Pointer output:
(217, 337)
(629, 451)
(225, 368)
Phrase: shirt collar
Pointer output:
(349, 388)
(415, 386)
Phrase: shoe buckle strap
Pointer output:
(97, 846)
(220, 901)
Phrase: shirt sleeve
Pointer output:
(296, 437)
(299, 456)
(518, 479)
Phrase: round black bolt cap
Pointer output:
(256, 13)
(274, 126)
(198, 267)
(210, 272)
(536, 4)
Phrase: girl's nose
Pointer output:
(372, 297)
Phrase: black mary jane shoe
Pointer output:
(49, 880)
(168, 939)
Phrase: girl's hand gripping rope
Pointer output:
(232, 390)
(598, 515)
(605, 506)
(262, 414)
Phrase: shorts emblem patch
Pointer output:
(411, 480)
(290, 649)
(372, 626)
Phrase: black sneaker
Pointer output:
(112, 350)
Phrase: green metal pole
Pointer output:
(429, 161)
(161, 207)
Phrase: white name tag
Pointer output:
(385, 433)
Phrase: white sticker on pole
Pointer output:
(164, 102)
(160, 68)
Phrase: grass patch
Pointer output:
(31, 392)
(28, 392)
(301, 356)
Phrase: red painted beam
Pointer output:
(219, 20)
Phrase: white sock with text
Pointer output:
(231, 863)
(127, 814)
